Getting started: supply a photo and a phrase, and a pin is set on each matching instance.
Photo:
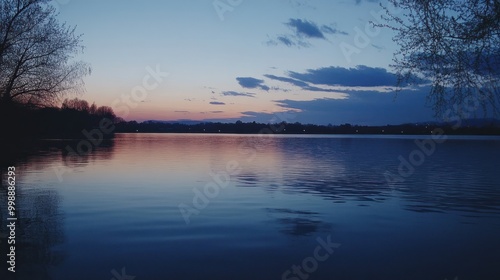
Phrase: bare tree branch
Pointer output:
(37, 54)
(455, 44)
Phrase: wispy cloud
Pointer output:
(340, 79)
(217, 103)
(249, 82)
(294, 82)
(289, 41)
(305, 28)
(359, 76)
(301, 84)
(235, 93)
(372, 1)
(332, 30)
(378, 47)
(285, 41)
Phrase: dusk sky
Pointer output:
(311, 61)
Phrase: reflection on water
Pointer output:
(117, 207)
(39, 226)
(298, 223)
(39, 230)
(73, 157)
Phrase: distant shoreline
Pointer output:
(344, 136)
(466, 127)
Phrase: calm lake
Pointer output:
(186, 206)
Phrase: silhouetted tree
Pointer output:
(76, 104)
(455, 44)
(119, 120)
(36, 54)
(105, 112)
(93, 109)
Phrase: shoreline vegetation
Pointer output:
(19, 122)
(463, 127)
(25, 130)
(75, 118)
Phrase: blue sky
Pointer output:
(314, 61)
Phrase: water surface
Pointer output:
(254, 207)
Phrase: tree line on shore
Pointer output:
(18, 121)
(73, 116)
(466, 127)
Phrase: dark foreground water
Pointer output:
(163, 206)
